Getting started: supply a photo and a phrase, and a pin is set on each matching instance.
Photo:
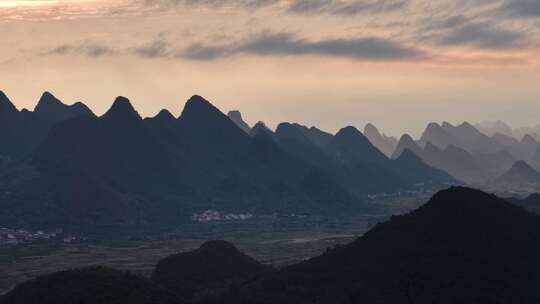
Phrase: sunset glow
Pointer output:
(339, 57)
(15, 3)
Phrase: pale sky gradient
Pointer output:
(396, 63)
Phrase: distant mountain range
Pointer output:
(63, 165)
(491, 128)
(464, 136)
(463, 246)
(471, 153)
(468, 154)
(81, 170)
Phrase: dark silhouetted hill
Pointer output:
(463, 246)
(6, 107)
(91, 170)
(207, 271)
(89, 286)
(22, 131)
(318, 137)
(531, 202)
(51, 110)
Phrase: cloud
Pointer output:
(473, 31)
(285, 44)
(200, 51)
(481, 35)
(340, 7)
(523, 8)
(85, 48)
(447, 23)
(333, 7)
(156, 49)
(248, 4)
(309, 6)
(264, 44)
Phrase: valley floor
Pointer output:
(273, 240)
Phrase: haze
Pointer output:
(396, 63)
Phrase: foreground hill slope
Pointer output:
(89, 286)
(463, 246)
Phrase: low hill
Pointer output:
(89, 286)
(214, 267)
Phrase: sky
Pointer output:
(331, 63)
